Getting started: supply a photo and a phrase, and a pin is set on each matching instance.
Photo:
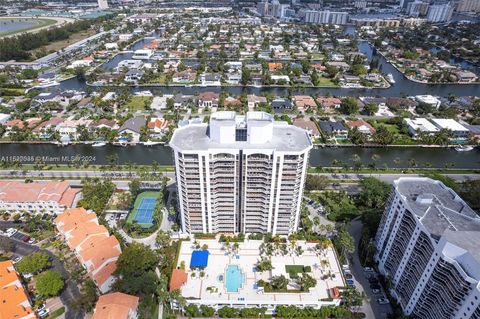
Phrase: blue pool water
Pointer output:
(234, 278)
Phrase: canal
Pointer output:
(402, 86)
(391, 157)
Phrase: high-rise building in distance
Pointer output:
(102, 4)
(427, 247)
(240, 174)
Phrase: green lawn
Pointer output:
(326, 82)
(294, 270)
(40, 23)
(138, 200)
(317, 56)
(137, 103)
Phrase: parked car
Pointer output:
(26, 239)
(16, 259)
(375, 291)
(348, 276)
(383, 301)
(10, 232)
(43, 313)
(368, 269)
(27, 275)
(350, 282)
(31, 241)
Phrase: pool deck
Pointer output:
(195, 290)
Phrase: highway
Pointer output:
(125, 175)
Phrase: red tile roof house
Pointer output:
(96, 250)
(362, 126)
(39, 197)
(116, 305)
(304, 102)
(208, 100)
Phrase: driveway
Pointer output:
(371, 308)
(70, 292)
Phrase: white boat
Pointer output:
(390, 78)
(46, 85)
(99, 144)
(464, 148)
(150, 143)
(121, 144)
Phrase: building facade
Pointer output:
(427, 248)
(240, 174)
(439, 13)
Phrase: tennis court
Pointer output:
(143, 209)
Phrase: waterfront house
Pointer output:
(333, 129)
(304, 103)
(132, 127)
(208, 100)
(362, 126)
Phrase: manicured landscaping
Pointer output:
(138, 103)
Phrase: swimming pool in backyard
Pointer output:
(234, 278)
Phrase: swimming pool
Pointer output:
(234, 278)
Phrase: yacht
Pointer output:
(464, 148)
(99, 144)
(121, 144)
(390, 78)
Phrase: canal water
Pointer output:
(392, 157)
(402, 84)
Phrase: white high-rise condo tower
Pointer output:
(240, 174)
(428, 248)
(102, 4)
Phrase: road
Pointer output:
(70, 292)
(75, 174)
(371, 308)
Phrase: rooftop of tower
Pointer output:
(442, 212)
(227, 130)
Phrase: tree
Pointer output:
(134, 187)
(352, 298)
(88, 296)
(33, 263)
(374, 193)
(227, 312)
(470, 192)
(316, 182)
(135, 260)
(263, 264)
(207, 312)
(49, 283)
(96, 194)
(357, 137)
(306, 281)
(162, 240)
(383, 136)
(371, 108)
(349, 105)
(279, 282)
(344, 241)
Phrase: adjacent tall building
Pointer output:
(240, 174)
(102, 4)
(427, 246)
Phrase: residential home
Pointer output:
(362, 126)
(182, 101)
(14, 299)
(116, 305)
(70, 127)
(208, 100)
(340, 65)
(232, 102)
(184, 77)
(274, 66)
(42, 129)
(329, 102)
(254, 101)
(210, 79)
(133, 75)
(158, 125)
(104, 123)
(280, 105)
(458, 131)
(418, 125)
(466, 76)
(132, 127)
(333, 129)
(304, 103)
(307, 125)
(95, 249)
(37, 198)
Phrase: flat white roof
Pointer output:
(449, 124)
(421, 124)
